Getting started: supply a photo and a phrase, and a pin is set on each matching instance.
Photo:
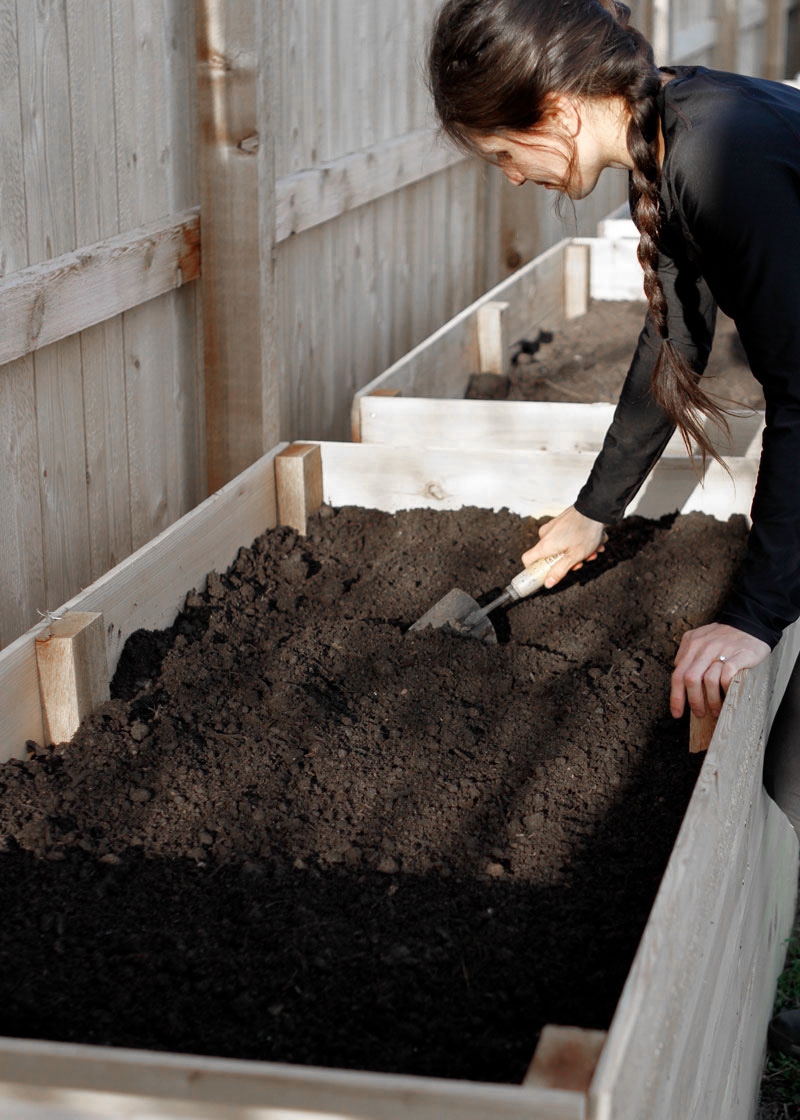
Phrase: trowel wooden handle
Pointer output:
(530, 579)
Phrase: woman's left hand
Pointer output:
(707, 661)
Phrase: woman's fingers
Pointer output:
(578, 537)
(708, 659)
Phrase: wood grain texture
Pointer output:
(35, 1074)
(271, 367)
(388, 417)
(228, 74)
(55, 299)
(73, 672)
(50, 224)
(153, 50)
(298, 480)
(97, 218)
(531, 483)
(22, 587)
(714, 942)
(309, 198)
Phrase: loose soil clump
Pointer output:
(299, 833)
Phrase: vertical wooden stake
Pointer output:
(73, 673)
(565, 1058)
(298, 477)
(701, 732)
(577, 262)
(493, 355)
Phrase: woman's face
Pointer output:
(567, 151)
(525, 157)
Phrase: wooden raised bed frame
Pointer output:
(420, 399)
(687, 1039)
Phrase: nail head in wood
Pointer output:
(73, 672)
(565, 1058)
(298, 478)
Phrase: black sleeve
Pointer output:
(641, 429)
(747, 222)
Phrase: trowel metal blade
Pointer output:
(452, 613)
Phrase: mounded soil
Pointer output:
(299, 833)
(586, 359)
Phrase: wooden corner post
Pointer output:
(493, 353)
(565, 1058)
(73, 672)
(298, 480)
(577, 280)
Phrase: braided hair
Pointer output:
(494, 66)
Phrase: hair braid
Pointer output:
(673, 382)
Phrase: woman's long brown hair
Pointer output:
(494, 66)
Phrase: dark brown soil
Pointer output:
(299, 833)
(586, 359)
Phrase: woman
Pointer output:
(554, 93)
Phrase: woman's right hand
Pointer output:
(578, 537)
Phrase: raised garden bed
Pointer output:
(539, 362)
(680, 991)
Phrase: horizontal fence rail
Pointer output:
(60, 297)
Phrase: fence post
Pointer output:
(268, 39)
(777, 20)
(725, 55)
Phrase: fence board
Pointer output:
(152, 51)
(91, 95)
(21, 555)
(58, 298)
(47, 132)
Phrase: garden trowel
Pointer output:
(459, 613)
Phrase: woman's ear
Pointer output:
(565, 113)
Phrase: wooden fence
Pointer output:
(288, 142)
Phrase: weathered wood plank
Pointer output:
(22, 587)
(153, 64)
(94, 141)
(165, 1085)
(702, 960)
(531, 483)
(145, 590)
(60, 297)
(50, 226)
(388, 418)
(271, 369)
(309, 198)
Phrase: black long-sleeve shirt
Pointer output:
(730, 200)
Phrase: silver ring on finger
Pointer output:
(721, 657)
